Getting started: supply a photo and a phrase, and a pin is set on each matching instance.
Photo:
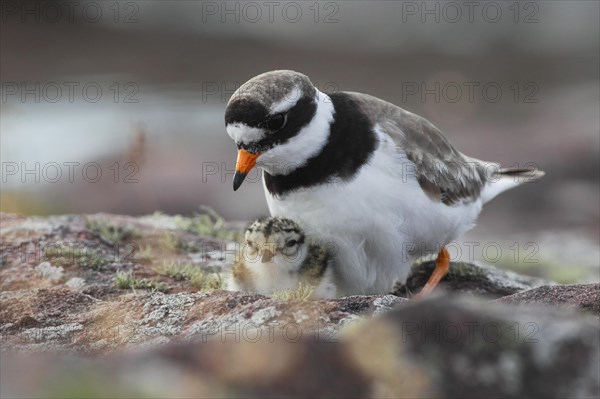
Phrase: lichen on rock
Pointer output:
(142, 292)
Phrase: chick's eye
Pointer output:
(276, 122)
(291, 243)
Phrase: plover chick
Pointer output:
(278, 256)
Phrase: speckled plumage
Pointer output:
(311, 264)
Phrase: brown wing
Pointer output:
(442, 171)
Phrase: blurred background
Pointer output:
(118, 106)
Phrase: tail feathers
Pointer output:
(522, 175)
(507, 178)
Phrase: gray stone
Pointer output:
(469, 278)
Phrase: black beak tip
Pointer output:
(238, 179)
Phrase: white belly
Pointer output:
(375, 222)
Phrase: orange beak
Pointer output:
(245, 162)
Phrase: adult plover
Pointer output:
(277, 256)
(383, 184)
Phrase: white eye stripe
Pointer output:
(287, 102)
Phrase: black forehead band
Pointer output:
(245, 111)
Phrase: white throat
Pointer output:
(310, 140)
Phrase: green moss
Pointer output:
(173, 243)
(109, 233)
(193, 274)
(463, 269)
(127, 281)
(206, 282)
(302, 293)
(146, 253)
(208, 223)
(174, 270)
(169, 242)
(62, 255)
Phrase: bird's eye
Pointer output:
(276, 122)
(291, 243)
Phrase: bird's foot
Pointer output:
(442, 265)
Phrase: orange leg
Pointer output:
(442, 264)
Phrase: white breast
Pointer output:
(374, 221)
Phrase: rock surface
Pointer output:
(585, 297)
(468, 278)
(124, 306)
(61, 319)
(446, 346)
